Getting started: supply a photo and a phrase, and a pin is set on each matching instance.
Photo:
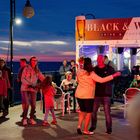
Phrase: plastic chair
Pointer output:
(128, 95)
(62, 98)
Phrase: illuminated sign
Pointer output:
(112, 29)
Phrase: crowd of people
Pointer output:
(92, 87)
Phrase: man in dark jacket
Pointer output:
(103, 93)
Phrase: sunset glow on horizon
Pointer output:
(50, 33)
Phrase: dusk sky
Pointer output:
(50, 34)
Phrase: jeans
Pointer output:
(28, 98)
(106, 102)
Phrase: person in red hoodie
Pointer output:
(6, 74)
(3, 91)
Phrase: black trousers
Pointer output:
(6, 104)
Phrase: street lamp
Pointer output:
(18, 21)
(26, 10)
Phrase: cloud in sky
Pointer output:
(25, 43)
(50, 34)
(45, 50)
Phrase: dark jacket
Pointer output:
(104, 89)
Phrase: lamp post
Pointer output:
(12, 17)
(29, 12)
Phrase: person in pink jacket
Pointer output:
(85, 92)
(3, 91)
(29, 79)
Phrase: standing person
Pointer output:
(3, 91)
(63, 69)
(48, 91)
(85, 93)
(23, 63)
(30, 76)
(109, 62)
(6, 74)
(73, 69)
(103, 94)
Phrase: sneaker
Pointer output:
(5, 113)
(24, 122)
(32, 121)
(88, 133)
(108, 132)
(79, 131)
(91, 129)
(45, 123)
(54, 122)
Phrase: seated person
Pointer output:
(135, 82)
(68, 83)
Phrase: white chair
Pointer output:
(128, 95)
(62, 98)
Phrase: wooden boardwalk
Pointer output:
(11, 128)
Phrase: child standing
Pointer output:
(48, 91)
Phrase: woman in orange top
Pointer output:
(85, 92)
